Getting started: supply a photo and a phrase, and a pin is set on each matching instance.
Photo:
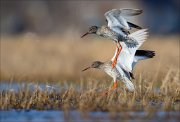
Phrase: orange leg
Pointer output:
(119, 48)
(115, 85)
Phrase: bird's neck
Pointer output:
(98, 32)
(105, 65)
(102, 30)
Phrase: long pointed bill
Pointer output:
(85, 34)
(86, 69)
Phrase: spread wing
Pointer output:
(126, 56)
(116, 20)
(142, 55)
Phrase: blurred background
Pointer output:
(47, 17)
(41, 39)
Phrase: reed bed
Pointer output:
(86, 95)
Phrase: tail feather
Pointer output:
(144, 54)
(131, 75)
(129, 85)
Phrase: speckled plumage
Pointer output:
(113, 72)
(106, 32)
(117, 28)
(121, 36)
(117, 74)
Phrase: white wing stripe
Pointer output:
(126, 57)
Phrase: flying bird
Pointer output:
(117, 29)
(126, 62)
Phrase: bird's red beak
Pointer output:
(86, 69)
(85, 34)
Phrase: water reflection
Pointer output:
(76, 116)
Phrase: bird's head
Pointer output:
(92, 30)
(95, 64)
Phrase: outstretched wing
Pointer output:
(126, 56)
(116, 20)
(142, 55)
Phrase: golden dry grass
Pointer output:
(87, 96)
(54, 58)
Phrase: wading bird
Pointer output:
(117, 29)
(126, 61)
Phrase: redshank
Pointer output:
(117, 29)
(125, 62)
(119, 73)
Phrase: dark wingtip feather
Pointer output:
(147, 53)
(150, 54)
(134, 26)
(131, 75)
(138, 27)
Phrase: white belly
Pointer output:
(112, 72)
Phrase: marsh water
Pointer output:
(19, 115)
(75, 116)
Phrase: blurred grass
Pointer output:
(87, 96)
(30, 57)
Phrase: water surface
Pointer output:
(76, 116)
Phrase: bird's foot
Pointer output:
(106, 92)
